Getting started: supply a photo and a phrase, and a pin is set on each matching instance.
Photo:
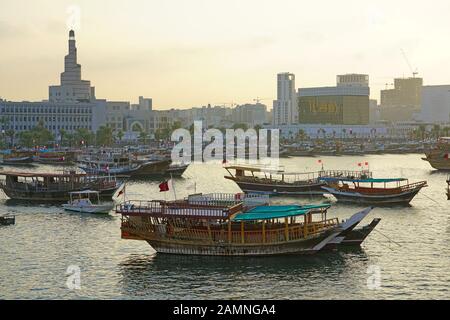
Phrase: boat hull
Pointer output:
(18, 161)
(358, 198)
(354, 237)
(95, 209)
(55, 196)
(142, 170)
(439, 164)
(281, 189)
(187, 248)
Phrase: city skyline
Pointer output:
(184, 48)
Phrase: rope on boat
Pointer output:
(390, 240)
(431, 199)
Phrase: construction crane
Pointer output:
(414, 71)
(258, 99)
(231, 104)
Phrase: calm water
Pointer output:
(410, 248)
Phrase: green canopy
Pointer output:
(274, 212)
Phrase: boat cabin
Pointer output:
(42, 181)
(86, 197)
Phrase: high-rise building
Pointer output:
(406, 93)
(435, 104)
(347, 103)
(285, 107)
(250, 114)
(402, 102)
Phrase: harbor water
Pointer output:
(406, 257)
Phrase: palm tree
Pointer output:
(62, 135)
(104, 136)
(446, 131)
(3, 121)
(120, 135)
(143, 136)
(436, 131)
(10, 134)
(422, 131)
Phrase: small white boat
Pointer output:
(80, 201)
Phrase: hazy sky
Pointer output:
(186, 53)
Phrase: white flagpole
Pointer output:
(173, 187)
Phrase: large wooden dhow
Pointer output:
(16, 158)
(448, 187)
(439, 157)
(54, 187)
(253, 179)
(237, 225)
(123, 164)
(397, 191)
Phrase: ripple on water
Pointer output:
(410, 247)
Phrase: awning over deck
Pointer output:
(255, 169)
(363, 180)
(275, 212)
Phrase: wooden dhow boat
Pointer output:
(17, 159)
(55, 158)
(121, 164)
(448, 187)
(55, 187)
(439, 157)
(397, 191)
(277, 182)
(237, 225)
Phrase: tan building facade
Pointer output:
(335, 109)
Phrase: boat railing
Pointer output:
(293, 177)
(277, 233)
(413, 186)
(345, 173)
(178, 209)
(249, 200)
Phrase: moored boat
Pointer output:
(55, 158)
(279, 182)
(122, 164)
(230, 225)
(397, 191)
(448, 187)
(87, 201)
(7, 220)
(54, 187)
(439, 157)
(17, 159)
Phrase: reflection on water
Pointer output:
(162, 275)
(410, 247)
